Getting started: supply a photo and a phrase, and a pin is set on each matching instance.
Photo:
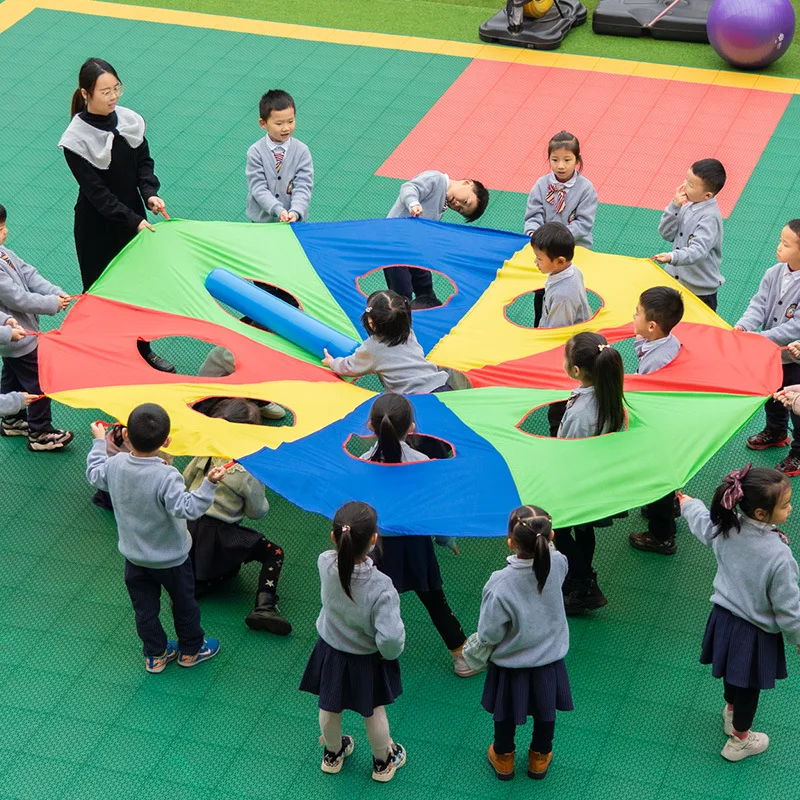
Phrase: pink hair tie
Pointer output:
(734, 493)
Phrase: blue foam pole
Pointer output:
(293, 324)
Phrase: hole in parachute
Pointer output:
(537, 421)
(188, 354)
(431, 446)
(520, 311)
(272, 414)
(443, 288)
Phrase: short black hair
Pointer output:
(482, 193)
(3, 214)
(792, 224)
(274, 100)
(712, 173)
(662, 305)
(554, 240)
(148, 427)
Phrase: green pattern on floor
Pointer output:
(80, 716)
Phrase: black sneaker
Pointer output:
(14, 426)
(52, 441)
(161, 364)
(790, 466)
(768, 438)
(649, 544)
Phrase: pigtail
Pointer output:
(354, 526)
(388, 450)
(345, 558)
(529, 528)
(391, 418)
(608, 376)
(748, 489)
(78, 103)
(541, 560)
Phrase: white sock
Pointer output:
(378, 733)
(331, 727)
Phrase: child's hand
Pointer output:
(156, 205)
(216, 474)
(98, 430)
(328, 360)
(683, 498)
(416, 210)
(30, 398)
(680, 196)
(144, 224)
(663, 258)
(63, 301)
(17, 333)
(284, 217)
(293, 216)
(794, 349)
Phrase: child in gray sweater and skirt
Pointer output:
(354, 664)
(523, 633)
(756, 597)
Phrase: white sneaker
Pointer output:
(332, 762)
(738, 749)
(383, 771)
(460, 666)
(727, 721)
(273, 411)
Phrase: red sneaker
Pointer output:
(768, 438)
(790, 466)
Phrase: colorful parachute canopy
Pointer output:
(677, 417)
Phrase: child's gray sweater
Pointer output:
(580, 418)
(429, 190)
(529, 629)
(24, 294)
(656, 354)
(565, 300)
(270, 192)
(580, 207)
(695, 229)
(369, 622)
(774, 310)
(151, 505)
(756, 573)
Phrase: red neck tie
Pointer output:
(557, 196)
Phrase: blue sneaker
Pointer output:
(209, 649)
(156, 664)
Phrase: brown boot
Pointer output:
(503, 765)
(538, 764)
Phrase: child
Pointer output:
(523, 622)
(429, 195)
(24, 294)
(391, 350)
(756, 598)
(361, 635)
(772, 310)
(693, 223)
(220, 543)
(659, 310)
(563, 195)
(13, 402)
(410, 561)
(593, 409)
(280, 173)
(150, 505)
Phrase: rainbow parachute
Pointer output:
(677, 417)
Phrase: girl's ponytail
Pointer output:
(748, 489)
(541, 558)
(78, 103)
(608, 379)
(354, 525)
(389, 450)
(391, 418)
(529, 528)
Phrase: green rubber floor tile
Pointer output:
(97, 782)
(56, 738)
(18, 728)
(33, 778)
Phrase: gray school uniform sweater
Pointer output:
(529, 629)
(14, 402)
(695, 230)
(580, 207)
(775, 311)
(756, 572)
(24, 294)
(369, 622)
(270, 192)
(429, 190)
(565, 300)
(151, 505)
(656, 354)
(580, 418)
(403, 369)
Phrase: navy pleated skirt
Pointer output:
(517, 694)
(219, 548)
(410, 561)
(347, 681)
(742, 653)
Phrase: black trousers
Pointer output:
(709, 299)
(443, 618)
(555, 413)
(144, 587)
(745, 703)
(579, 551)
(270, 556)
(542, 741)
(777, 413)
(21, 374)
(409, 281)
(538, 307)
(661, 518)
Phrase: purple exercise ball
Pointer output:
(750, 34)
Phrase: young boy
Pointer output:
(280, 173)
(565, 300)
(659, 310)
(773, 311)
(429, 195)
(693, 223)
(151, 505)
(24, 294)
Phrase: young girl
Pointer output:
(596, 407)
(523, 632)
(391, 351)
(220, 543)
(563, 195)
(756, 598)
(410, 561)
(354, 662)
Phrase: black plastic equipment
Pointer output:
(508, 26)
(686, 22)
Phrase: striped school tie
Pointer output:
(278, 160)
(557, 196)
